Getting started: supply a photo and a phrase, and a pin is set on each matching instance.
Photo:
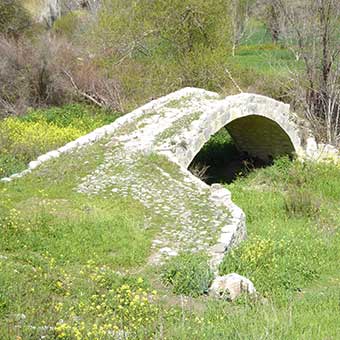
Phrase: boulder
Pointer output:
(230, 286)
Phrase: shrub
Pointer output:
(68, 24)
(188, 274)
(155, 47)
(51, 71)
(204, 68)
(300, 202)
(14, 18)
(176, 27)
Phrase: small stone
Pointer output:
(231, 286)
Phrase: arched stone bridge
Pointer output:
(189, 214)
(260, 126)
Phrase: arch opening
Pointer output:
(240, 147)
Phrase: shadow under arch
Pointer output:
(242, 145)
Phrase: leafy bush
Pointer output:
(156, 47)
(188, 274)
(68, 24)
(171, 28)
(14, 18)
(51, 71)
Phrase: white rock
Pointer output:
(231, 286)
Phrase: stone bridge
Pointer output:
(260, 126)
(190, 214)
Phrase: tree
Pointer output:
(240, 14)
(312, 29)
(180, 25)
(272, 17)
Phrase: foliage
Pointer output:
(60, 251)
(159, 46)
(51, 71)
(14, 18)
(188, 274)
(178, 27)
(311, 31)
(129, 53)
(69, 24)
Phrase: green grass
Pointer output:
(258, 61)
(287, 248)
(67, 256)
(22, 139)
(58, 246)
(295, 267)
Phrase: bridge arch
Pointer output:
(260, 137)
(261, 126)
